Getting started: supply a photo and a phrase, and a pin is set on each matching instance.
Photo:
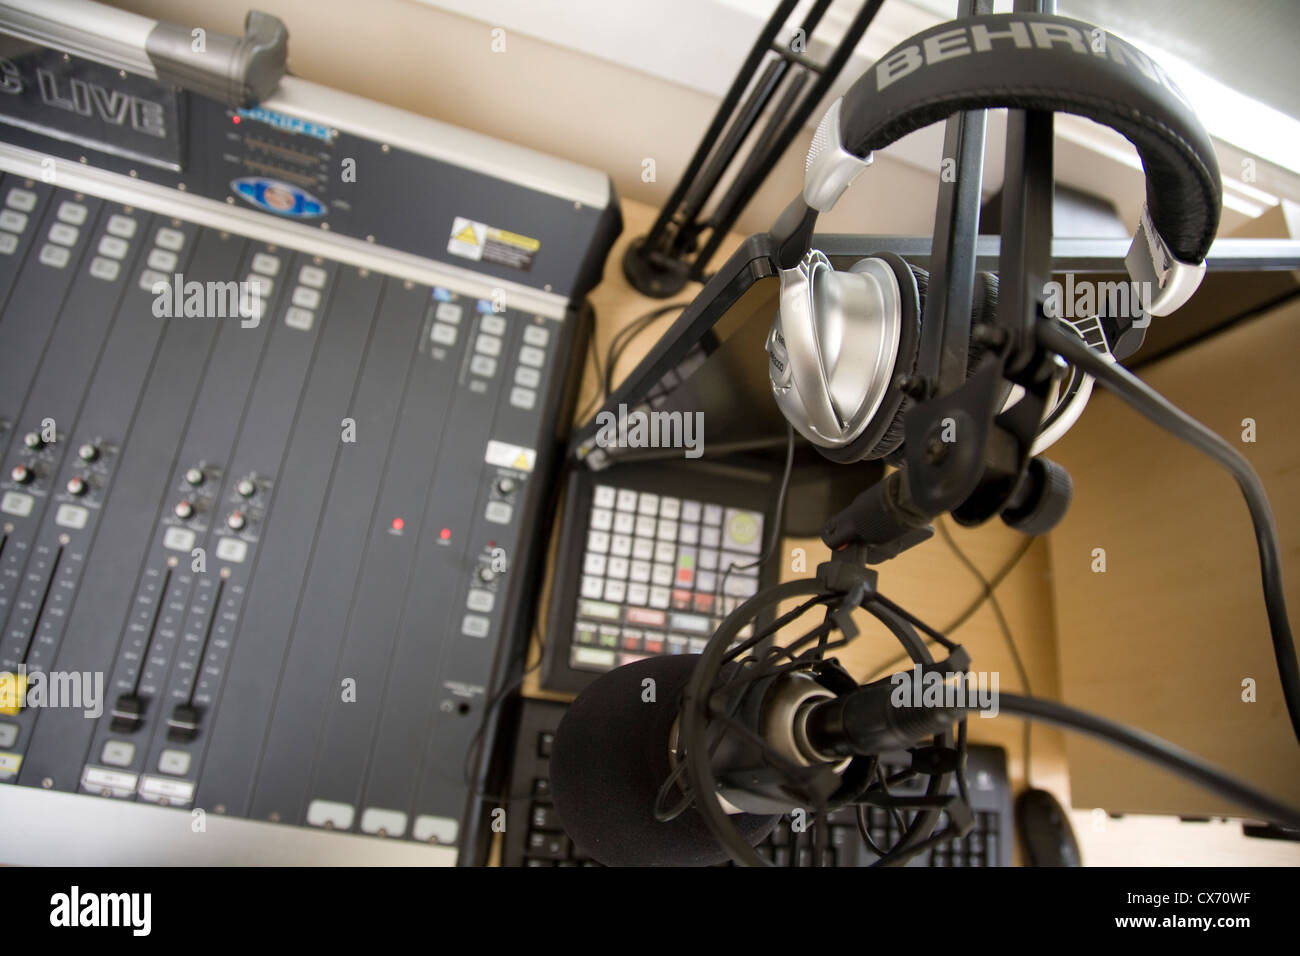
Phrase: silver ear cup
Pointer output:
(833, 345)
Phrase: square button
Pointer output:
(21, 199)
(13, 221)
(8, 243)
(488, 345)
(260, 286)
(442, 334)
(71, 516)
(480, 600)
(178, 539)
(624, 523)
(482, 364)
(306, 297)
(115, 248)
(448, 312)
(56, 256)
(527, 377)
(118, 753)
(175, 762)
(536, 335)
(528, 355)
(8, 735)
(105, 269)
(63, 234)
(523, 397)
(172, 239)
(474, 625)
(266, 263)
(159, 259)
(493, 325)
(232, 550)
(626, 500)
(73, 213)
(301, 319)
(17, 503)
(604, 497)
(647, 504)
(312, 276)
(498, 512)
(123, 226)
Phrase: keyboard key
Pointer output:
(604, 497)
(703, 602)
(691, 622)
(528, 355)
(610, 612)
(172, 239)
(690, 511)
(266, 263)
(493, 325)
(690, 534)
(615, 591)
(616, 568)
(598, 541)
(602, 519)
(536, 335)
(11, 221)
(60, 233)
(594, 564)
(624, 522)
(713, 514)
(741, 587)
(592, 586)
(662, 575)
(705, 581)
(708, 559)
(626, 500)
(647, 616)
(647, 504)
(676, 644)
(643, 549)
(665, 552)
(626, 658)
(711, 537)
(608, 636)
(123, 226)
(73, 213)
(666, 530)
(585, 632)
(314, 277)
(21, 199)
(681, 600)
(653, 643)
(645, 526)
(659, 597)
(638, 593)
(639, 571)
(741, 531)
(620, 545)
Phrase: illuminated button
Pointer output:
(741, 530)
(76, 485)
(498, 512)
(184, 510)
(105, 269)
(115, 248)
(448, 312)
(71, 516)
(480, 600)
(16, 503)
(266, 263)
(312, 276)
(178, 539)
(493, 325)
(388, 822)
(443, 334)
(54, 256)
(21, 199)
(73, 213)
(337, 816)
(232, 550)
(194, 476)
(528, 355)
(123, 226)
(175, 762)
(62, 234)
(431, 829)
(301, 319)
(159, 259)
(236, 521)
(8, 243)
(603, 497)
(118, 753)
(481, 364)
(33, 440)
(488, 345)
(11, 221)
(474, 625)
(523, 397)
(527, 377)
(172, 239)
(591, 658)
(306, 297)
(21, 474)
(246, 487)
(536, 335)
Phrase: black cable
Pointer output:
(996, 605)
(774, 537)
(1153, 749)
(1178, 423)
(618, 343)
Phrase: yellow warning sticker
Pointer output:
(481, 242)
(506, 455)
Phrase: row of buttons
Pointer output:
(392, 823)
(183, 539)
(113, 247)
(121, 753)
(167, 241)
(13, 220)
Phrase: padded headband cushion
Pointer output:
(1040, 62)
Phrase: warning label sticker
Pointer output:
(484, 243)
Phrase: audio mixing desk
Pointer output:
(278, 390)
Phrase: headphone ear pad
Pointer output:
(893, 436)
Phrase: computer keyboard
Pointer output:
(650, 566)
(541, 841)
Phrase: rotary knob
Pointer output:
(88, 452)
(236, 521)
(33, 440)
(245, 487)
(184, 510)
(22, 474)
(76, 485)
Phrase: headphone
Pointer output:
(843, 341)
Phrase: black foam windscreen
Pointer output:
(608, 760)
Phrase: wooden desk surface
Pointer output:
(929, 580)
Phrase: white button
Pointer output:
(116, 248)
(312, 276)
(73, 213)
(624, 523)
(8, 243)
(13, 221)
(527, 377)
(532, 356)
(667, 530)
(615, 591)
(106, 269)
(23, 199)
(151, 277)
(498, 512)
(172, 239)
(442, 334)
(176, 762)
(266, 263)
(593, 564)
(337, 815)
(616, 567)
(439, 829)
(591, 657)
(661, 574)
(118, 753)
(493, 325)
(626, 500)
(448, 312)
(480, 600)
(601, 519)
(305, 297)
(620, 545)
(481, 364)
(598, 541)
(639, 571)
(523, 397)
(670, 508)
(8, 735)
(474, 625)
(231, 549)
(647, 503)
(260, 286)
(178, 539)
(645, 526)
(593, 587)
(488, 345)
(638, 594)
(536, 335)
(71, 516)
(604, 497)
(16, 503)
(664, 551)
(62, 233)
(123, 226)
(659, 597)
(159, 259)
(643, 549)
(391, 822)
(56, 256)
(297, 318)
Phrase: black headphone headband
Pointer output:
(1041, 62)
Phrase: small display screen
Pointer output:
(80, 101)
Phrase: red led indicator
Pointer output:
(398, 524)
(235, 120)
(445, 534)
